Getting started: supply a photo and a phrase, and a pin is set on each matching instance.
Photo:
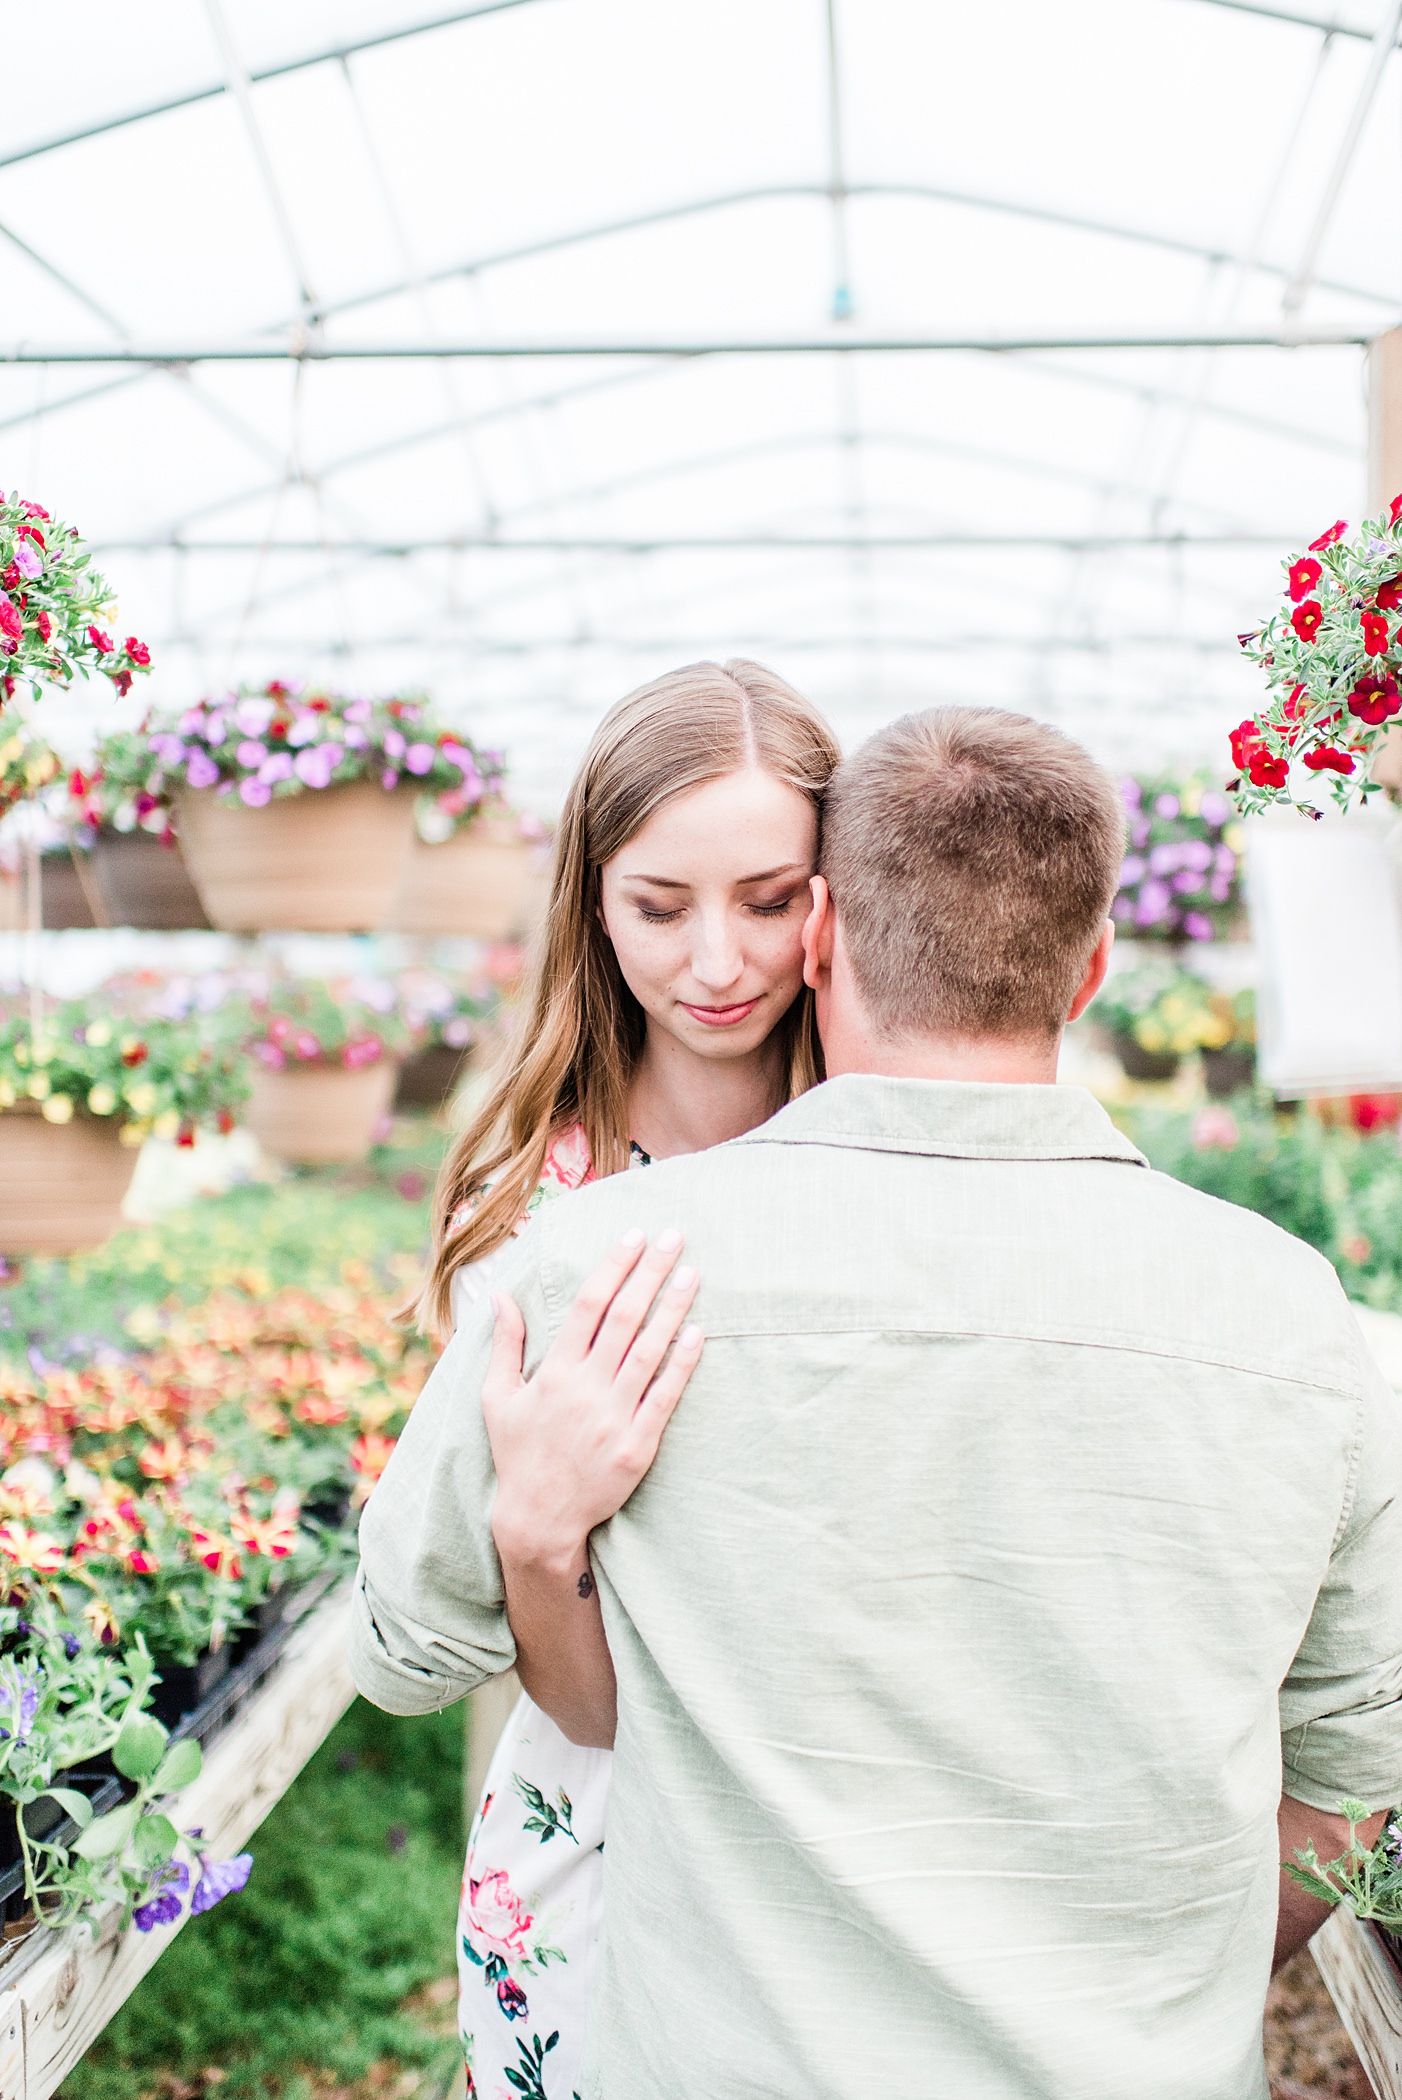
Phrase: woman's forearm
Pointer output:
(562, 1655)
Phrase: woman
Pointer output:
(668, 1014)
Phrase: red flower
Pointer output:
(1390, 594)
(44, 624)
(1306, 619)
(1375, 699)
(122, 681)
(9, 576)
(226, 1122)
(103, 643)
(30, 532)
(1265, 771)
(137, 1055)
(1328, 758)
(1304, 575)
(138, 652)
(1375, 634)
(185, 1136)
(1394, 509)
(1326, 539)
(11, 625)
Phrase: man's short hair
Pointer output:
(972, 856)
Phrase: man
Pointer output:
(1028, 1514)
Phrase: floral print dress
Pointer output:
(532, 1891)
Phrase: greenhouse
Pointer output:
(578, 581)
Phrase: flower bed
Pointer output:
(1181, 879)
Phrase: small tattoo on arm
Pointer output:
(586, 1584)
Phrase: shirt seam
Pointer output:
(1351, 1483)
(939, 1148)
(1257, 1368)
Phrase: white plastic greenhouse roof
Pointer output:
(696, 312)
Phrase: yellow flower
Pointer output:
(132, 1134)
(1191, 798)
(141, 1096)
(58, 1108)
(166, 1124)
(102, 1098)
(98, 1034)
(7, 1094)
(42, 1050)
(1235, 837)
(39, 1086)
(1151, 1036)
(21, 1053)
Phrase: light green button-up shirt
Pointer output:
(1027, 1512)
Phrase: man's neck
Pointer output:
(934, 1057)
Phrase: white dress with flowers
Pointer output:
(532, 1891)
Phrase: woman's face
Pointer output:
(705, 906)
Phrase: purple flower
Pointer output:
(168, 749)
(220, 1878)
(1166, 805)
(19, 1700)
(278, 767)
(250, 753)
(1130, 792)
(1215, 808)
(72, 1646)
(1220, 888)
(1196, 926)
(315, 765)
(1139, 833)
(1164, 859)
(389, 779)
(256, 793)
(1131, 870)
(215, 730)
(357, 711)
(356, 739)
(419, 758)
(303, 731)
(253, 716)
(28, 560)
(162, 1905)
(1188, 883)
(201, 772)
(392, 743)
(1155, 899)
(192, 722)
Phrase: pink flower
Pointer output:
(249, 753)
(306, 1045)
(389, 779)
(363, 1050)
(137, 652)
(256, 793)
(28, 560)
(303, 730)
(278, 767)
(201, 771)
(567, 1163)
(103, 643)
(11, 625)
(419, 758)
(392, 744)
(253, 716)
(315, 765)
(495, 1916)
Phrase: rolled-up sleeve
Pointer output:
(1341, 1704)
(428, 1619)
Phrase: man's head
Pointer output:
(971, 856)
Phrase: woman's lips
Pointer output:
(722, 1016)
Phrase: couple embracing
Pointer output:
(1019, 1578)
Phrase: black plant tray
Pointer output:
(45, 1819)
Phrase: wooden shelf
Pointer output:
(1367, 1989)
(58, 1990)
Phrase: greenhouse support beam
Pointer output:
(840, 542)
(777, 346)
(324, 56)
(1321, 24)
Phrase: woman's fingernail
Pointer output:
(690, 1337)
(669, 1241)
(632, 1238)
(683, 1278)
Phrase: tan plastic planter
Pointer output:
(320, 1115)
(485, 880)
(141, 881)
(61, 1184)
(329, 860)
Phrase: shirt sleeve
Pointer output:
(428, 1619)
(1341, 1703)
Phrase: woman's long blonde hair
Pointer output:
(581, 1030)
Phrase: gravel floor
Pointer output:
(1308, 2055)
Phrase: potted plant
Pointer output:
(124, 843)
(1181, 878)
(447, 1018)
(1228, 1040)
(294, 807)
(477, 866)
(78, 1094)
(325, 1060)
(55, 610)
(1155, 1015)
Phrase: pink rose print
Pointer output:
(496, 1917)
(568, 1163)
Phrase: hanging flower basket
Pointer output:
(320, 1114)
(55, 609)
(294, 808)
(61, 1184)
(485, 880)
(64, 897)
(142, 880)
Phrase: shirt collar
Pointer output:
(950, 1119)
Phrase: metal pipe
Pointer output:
(480, 543)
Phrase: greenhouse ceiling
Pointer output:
(521, 350)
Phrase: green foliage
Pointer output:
(1339, 1190)
(1366, 1880)
(144, 1072)
(349, 1911)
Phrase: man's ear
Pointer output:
(817, 935)
(1095, 972)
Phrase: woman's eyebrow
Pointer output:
(664, 882)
